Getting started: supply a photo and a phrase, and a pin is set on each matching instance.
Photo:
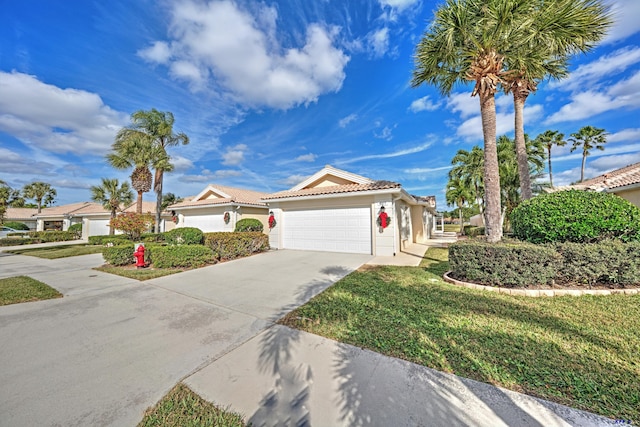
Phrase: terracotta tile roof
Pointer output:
(334, 189)
(147, 206)
(430, 200)
(238, 195)
(618, 178)
(64, 209)
(20, 213)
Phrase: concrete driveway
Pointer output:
(113, 346)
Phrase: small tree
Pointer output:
(41, 192)
(132, 224)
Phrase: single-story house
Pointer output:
(338, 211)
(23, 215)
(624, 182)
(219, 208)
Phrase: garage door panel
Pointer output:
(333, 230)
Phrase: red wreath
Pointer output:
(272, 221)
(384, 220)
(227, 217)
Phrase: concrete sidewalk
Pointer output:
(411, 255)
(288, 377)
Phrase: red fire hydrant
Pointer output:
(139, 254)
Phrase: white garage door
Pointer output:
(206, 223)
(332, 230)
(98, 227)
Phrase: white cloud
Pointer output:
(241, 52)
(54, 119)
(464, 104)
(294, 180)
(234, 155)
(397, 4)
(208, 176)
(587, 75)
(625, 15)
(181, 164)
(424, 104)
(609, 150)
(398, 153)
(625, 135)
(12, 163)
(471, 129)
(427, 170)
(306, 158)
(624, 94)
(378, 42)
(343, 122)
(385, 134)
(606, 164)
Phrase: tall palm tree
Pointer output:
(559, 29)
(588, 138)
(41, 192)
(458, 194)
(112, 196)
(468, 40)
(137, 150)
(468, 169)
(158, 127)
(548, 139)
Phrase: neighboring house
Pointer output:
(337, 211)
(93, 217)
(23, 215)
(219, 208)
(624, 182)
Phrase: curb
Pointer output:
(541, 292)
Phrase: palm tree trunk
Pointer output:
(519, 98)
(157, 187)
(550, 173)
(584, 162)
(139, 203)
(461, 224)
(491, 174)
(111, 229)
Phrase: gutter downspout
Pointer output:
(395, 227)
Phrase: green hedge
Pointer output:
(576, 216)
(16, 225)
(181, 256)
(11, 241)
(51, 236)
(152, 237)
(119, 255)
(249, 224)
(227, 246)
(503, 264)
(116, 239)
(184, 236)
(473, 231)
(518, 264)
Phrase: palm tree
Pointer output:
(560, 29)
(169, 199)
(458, 194)
(41, 192)
(468, 40)
(468, 169)
(158, 127)
(137, 150)
(548, 139)
(588, 137)
(112, 196)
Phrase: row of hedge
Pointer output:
(517, 264)
(14, 239)
(218, 246)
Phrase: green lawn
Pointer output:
(14, 290)
(578, 351)
(141, 274)
(181, 407)
(62, 251)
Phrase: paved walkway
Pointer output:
(411, 255)
(114, 346)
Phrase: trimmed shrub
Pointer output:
(610, 263)
(51, 236)
(249, 224)
(16, 225)
(473, 231)
(184, 236)
(76, 229)
(227, 246)
(15, 242)
(181, 256)
(503, 264)
(119, 255)
(117, 239)
(576, 216)
(152, 237)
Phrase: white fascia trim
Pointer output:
(402, 193)
(212, 189)
(330, 170)
(624, 188)
(218, 205)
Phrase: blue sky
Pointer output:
(270, 92)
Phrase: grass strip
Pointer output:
(54, 252)
(139, 274)
(181, 407)
(577, 351)
(14, 290)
